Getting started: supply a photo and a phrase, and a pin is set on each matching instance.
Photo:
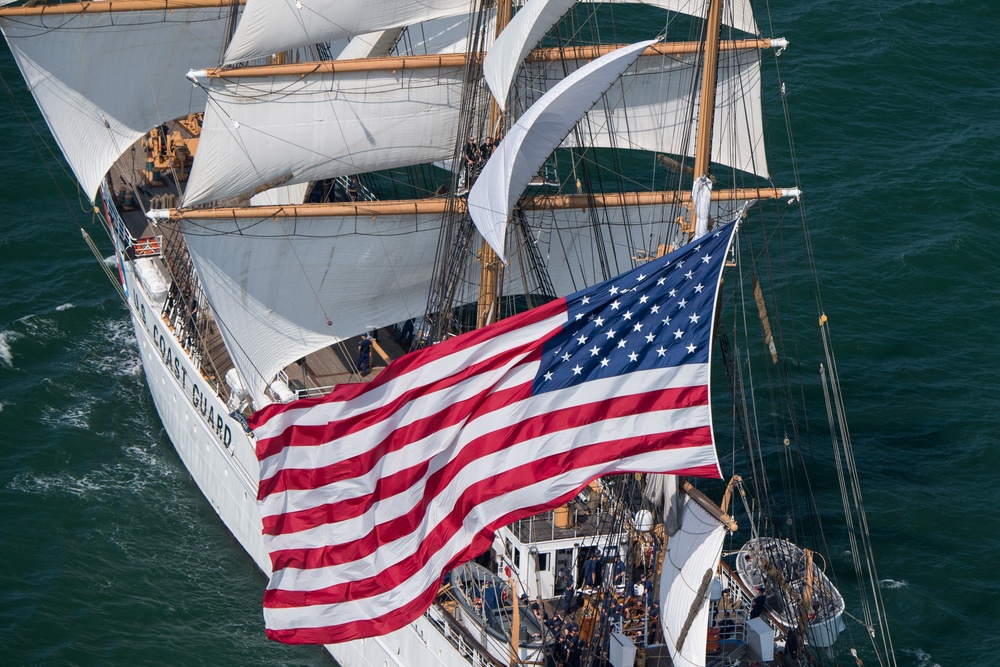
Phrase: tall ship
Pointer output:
(299, 193)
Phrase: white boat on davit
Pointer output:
(793, 583)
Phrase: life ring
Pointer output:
(147, 246)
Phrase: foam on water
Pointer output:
(139, 468)
(113, 350)
(923, 659)
(76, 415)
(6, 354)
(39, 327)
(891, 584)
(56, 485)
(65, 306)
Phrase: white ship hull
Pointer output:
(220, 457)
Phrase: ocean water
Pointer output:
(110, 555)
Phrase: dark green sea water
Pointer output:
(110, 556)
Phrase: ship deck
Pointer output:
(139, 184)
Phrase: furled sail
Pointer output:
(290, 286)
(536, 17)
(565, 237)
(535, 135)
(689, 563)
(270, 26)
(321, 126)
(98, 77)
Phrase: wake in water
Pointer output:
(142, 470)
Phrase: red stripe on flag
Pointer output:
(490, 443)
(381, 625)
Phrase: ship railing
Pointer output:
(362, 193)
(464, 641)
(118, 225)
(542, 527)
(311, 392)
(188, 311)
(732, 624)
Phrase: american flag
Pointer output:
(370, 494)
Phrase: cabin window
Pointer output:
(543, 562)
(517, 558)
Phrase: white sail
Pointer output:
(649, 109)
(735, 13)
(99, 81)
(271, 26)
(536, 17)
(274, 283)
(534, 137)
(521, 35)
(369, 45)
(689, 563)
(301, 129)
(287, 287)
(449, 34)
(262, 129)
(281, 196)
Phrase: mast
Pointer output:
(709, 79)
(490, 266)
